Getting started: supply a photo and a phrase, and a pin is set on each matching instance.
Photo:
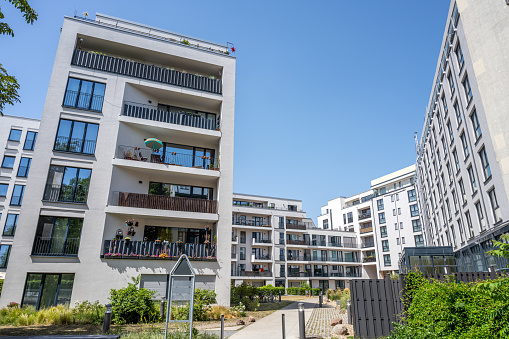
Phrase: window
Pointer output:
(11, 222)
(495, 208)
(3, 190)
(403, 240)
(480, 215)
(8, 161)
(414, 210)
(444, 145)
(464, 142)
(419, 240)
(459, 56)
(455, 200)
(392, 197)
(485, 163)
(399, 211)
(449, 128)
(30, 141)
(456, 160)
(400, 225)
(467, 88)
(444, 103)
(381, 218)
(393, 211)
(56, 236)
(76, 137)
(396, 226)
(416, 225)
(344, 219)
(475, 125)
(397, 241)
(325, 224)
(380, 204)
(383, 231)
(84, 94)
(17, 195)
(68, 184)
(44, 290)
(473, 183)
(412, 196)
(451, 82)
(458, 113)
(15, 135)
(469, 224)
(387, 260)
(350, 217)
(462, 191)
(385, 245)
(5, 250)
(24, 167)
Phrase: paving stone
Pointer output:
(318, 325)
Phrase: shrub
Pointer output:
(85, 312)
(245, 294)
(345, 296)
(316, 291)
(335, 295)
(292, 290)
(132, 305)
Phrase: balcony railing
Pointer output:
(261, 206)
(56, 247)
(364, 216)
(353, 275)
(299, 274)
(234, 238)
(369, 259)
(261, 241)
(82, 100)
(265, 273)
(350, 245)
(297, 242)
(148, 112)
(66, 193)
(260, 257)
(74, 145)
(320, 274)
(116, 249)
(163, 202)
(336, 274)
(234, 256)
(335, 244)
(318, 243)
(368, 244)
(351, 260)
(243, 222)
(298, 258)
(168, 158)
(140, 70)
(296, 227)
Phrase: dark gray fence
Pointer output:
(377, 303)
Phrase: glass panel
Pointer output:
(62, 140)
(15, 135)
(32, 288)
(426, 260)
(438, 260)
(82, 185)
(17, 195)
(71, 95)
(4, 255)
(68, 184)
(24, 166)
(65, 290)
(90, 139)
(55, 176)
(30, 140)
(8, 162)
(58, 235)
(73, 236)
(78, 131)
(49, 291)
(3, 190)
(180, 191)
(414, 261)
(85, 94)
(97, 99)
(10, 224)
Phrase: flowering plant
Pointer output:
(112, 255)
(13, 304)
(163, 255)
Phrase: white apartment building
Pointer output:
(463, 153)
(102, 203)
(383, 221)
(274, 243)
(17, 141)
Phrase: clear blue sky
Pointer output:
(328, 93)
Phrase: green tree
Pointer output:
(8, 84)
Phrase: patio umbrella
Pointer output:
(153, 143)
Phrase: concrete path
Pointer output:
(270, 327)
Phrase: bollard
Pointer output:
(349, 311)
(302, 322)
(492, 268)
(161, 310)
(222, 326)
(320, 299)
(279, 296)
(107, 318)
(327, 298)
(283, 320)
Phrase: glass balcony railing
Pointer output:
(128, 249)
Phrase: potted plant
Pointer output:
(127, 240)
(129, 222)
(163, 256)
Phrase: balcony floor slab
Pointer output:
(161, 214)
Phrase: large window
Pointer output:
(44, 290)
(242, 253)
(459, 56)
(17, 195)
(84, 94)
(24, 167)
(67, 184)
(182, 191)
(385, 245)
(467, 88)
(419, 240)
(383, 231)
(416, 225)
(387, 260)
(15, 135)
(30, 141)
(3, 190)
(475, 125)
(57, 236)
(458, 113)
(466, 151)
(11, 222)
(473, 183)
(380, 204)
(411, 196)
(381, 218)
(8, 161)
(480, 215)
(414, 210)
(495, 208)
(5, 250)
(76, 137)
(451, 82)
(485, 163)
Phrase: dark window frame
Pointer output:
(20, 199)
(32, 142)
(75, 186)
(43, 280)
(69, 141)
(78, 94)
(6, 191)
(4, 265)
(20, 134)
(26, 171)
(8, 156)
(15, 225)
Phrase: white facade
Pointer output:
(93, 180)
(18, 137)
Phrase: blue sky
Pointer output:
(328, 93)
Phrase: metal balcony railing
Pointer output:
(369, 259)
(318, 243)
(265, 273)
(299, 274)
(140, 70)
(336, 274)
(74, 145)
(244, 222)
(297, 242)
(298, 258)
(163, 202)
(66, 193)
(296, 227)
(350, 244)
(83, 100)
(353, 275)
(364, 216)
(261, 241)
(56, 247)
(368, 244)
(116, 249)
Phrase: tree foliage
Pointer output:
(8, 84)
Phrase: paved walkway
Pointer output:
(318, 325)
(270, 327)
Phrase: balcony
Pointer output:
(258, 257)
(353, 275)
(238, 203)
(318, 243)
(364, 215)
(296, 227)
(320, 274)
(167, 158)
(366, 228)
(350, 245)
(351, 260)
(252, 274)
(298, 258)
(140, 70)
(163, 202)
(299, 274)
(261, 241)
(297, 242)
(234, 256)
(369, 259)
(56, 247)
(156, 250)
(368, 244)
(147, 112)
(256, 223)
(336, 274)
(335, 244)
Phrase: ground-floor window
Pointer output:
(44, 290)
(340, 284)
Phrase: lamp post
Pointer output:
(107, 318)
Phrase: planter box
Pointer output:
(112, 257)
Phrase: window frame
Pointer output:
(14, 225)
(78, 95)
(27, 167)
(32, 145)
(20, 199)
(10, 134)
(9, 247)
(69, 138)
(8, 156)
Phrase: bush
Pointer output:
(245, 294)
(269, 289)
(85, 312)
(292, 290)
(315, 291)
(335, 295)
(132, 305)
(345, 296)
(1, 285)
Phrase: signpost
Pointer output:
(181, 292)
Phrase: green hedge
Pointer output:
(302, 291)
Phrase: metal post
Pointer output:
(107, 318)
(302, 322)
(492, 268)
(349, 311)
(327, 295)
(161, 310)
(279, 296)
(320, 299)
(283, 320)
(222, 326)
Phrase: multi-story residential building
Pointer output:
(101, 189)
(384, 220)
(274, 243)
(17, 141)
(463, 153)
